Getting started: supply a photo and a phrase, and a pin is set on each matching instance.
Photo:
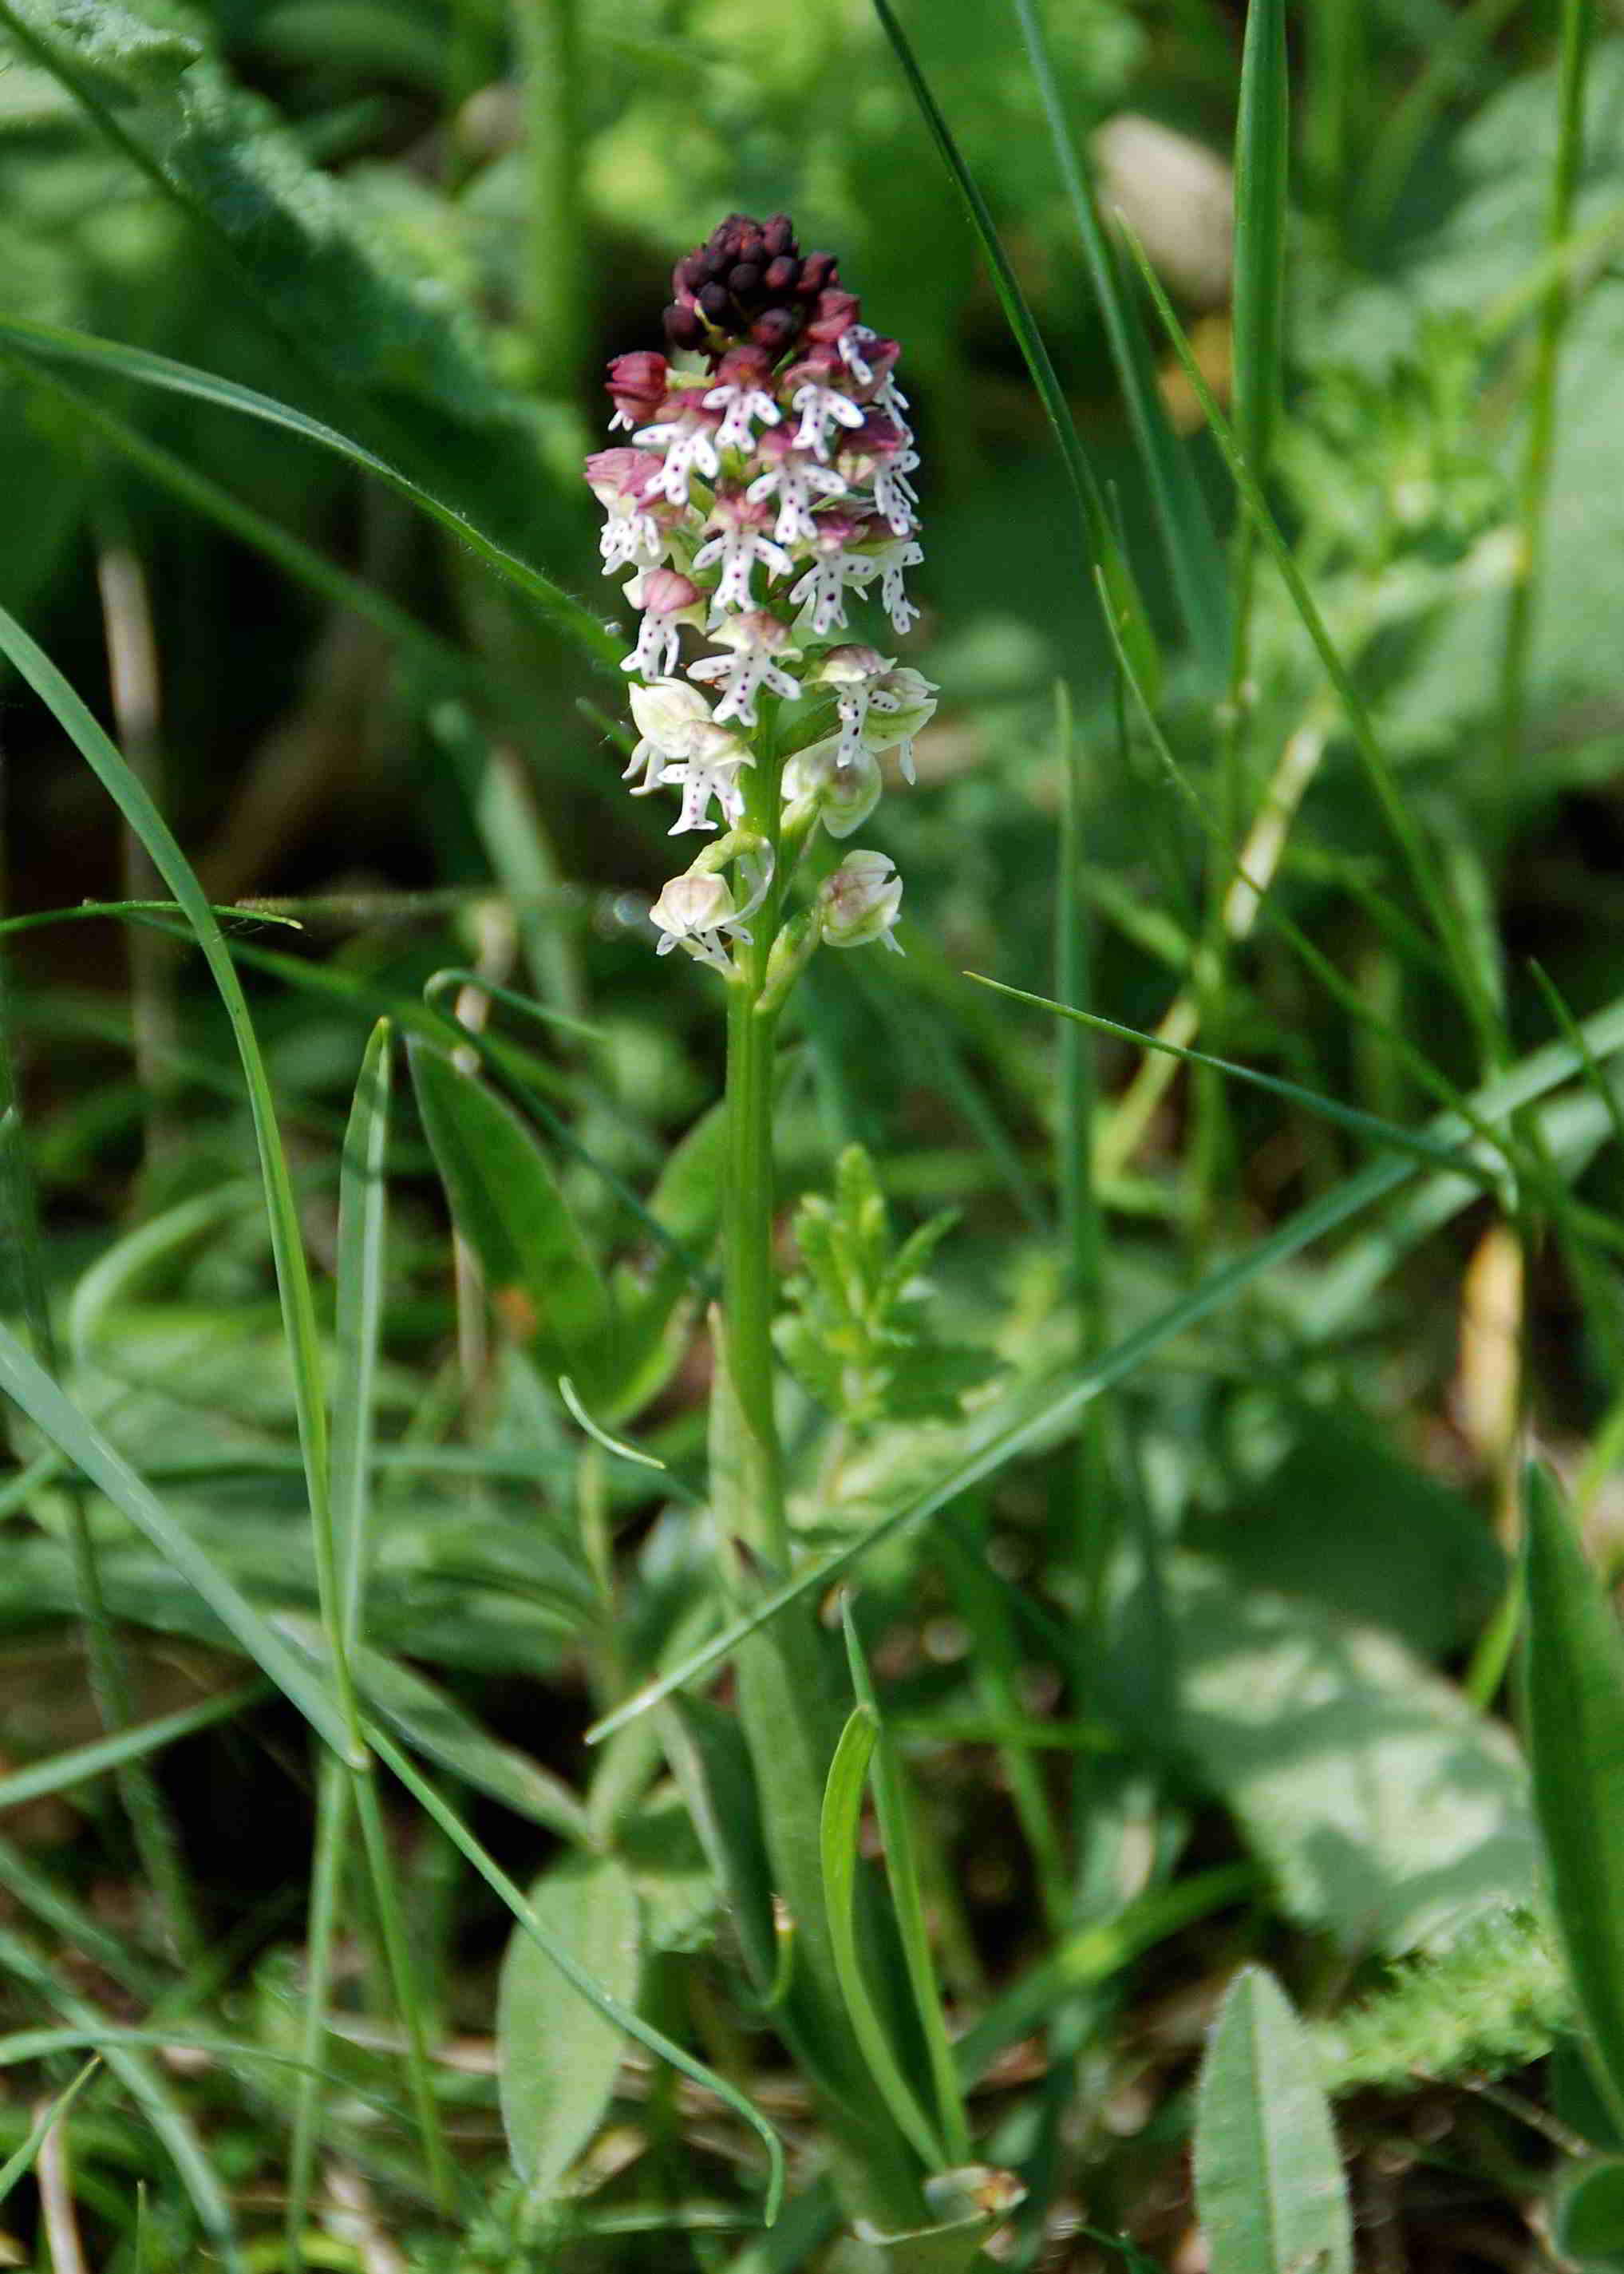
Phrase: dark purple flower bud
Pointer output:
(743, 279)
(778, 236)
(686, 277)
(683, 328)
(782, 276)
(817, 270)
(775, 330)
(713, 301)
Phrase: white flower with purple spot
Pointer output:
(738, 544)
(758, 648)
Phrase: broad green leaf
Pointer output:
(1573, 1710)
(508, 1208)
(559, 2054)
(1269, 2185)
(559, 1954)
(121, 53)
(843, 1797)
(1382, 1806)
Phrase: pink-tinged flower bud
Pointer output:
(637, 385)
(621, 474)
(859, 903)
(846, 666)
(818, 270)
(665, 591)
(833, 312)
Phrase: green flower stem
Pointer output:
(786, 1704)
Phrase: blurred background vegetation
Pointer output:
(427, 226)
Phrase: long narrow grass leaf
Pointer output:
(1417, 1144)
(59, 1772)
(1262, 153)
(837, 1839)
(643, 2032)
(1189, 540)
(1411, 843)
(892, 1804)
(1041, 1419)
(59, 343)
(135, 804)
(32, 1390)
(1098, 535)
(21, 2160)
(1574, 1709)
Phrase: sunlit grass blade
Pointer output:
(21, 2161)
(60, 344)
(1100, 537)
(134, 802)
(254, 529)
(1475, 994)
(147, 2087)
(1574, 1712)
(1577, 24)
(362, 1203)
(1190, 542)
(1269, 2183)
(1262, 156)
(1351, 1118)
(843, 1799)
(1049, 1416)
(1573, 1034)
(651, 2039)
(31, 1388)
(61, 1771)
(892, 1804)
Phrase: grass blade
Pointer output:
(363, 1205)
(362, 1214)
(31, 1388)
(1412, 845)
(1188, 538)
(1417, 1144)
(653, 2040)
(1047, 1416)
(1269, 2183)
(58, 344)
(1574, 1711)
(1098, 535)
(81, 1762)
(1262, 154)
(843, 1799)
(19, 2164)
(1577, 20)
(891, 1800)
